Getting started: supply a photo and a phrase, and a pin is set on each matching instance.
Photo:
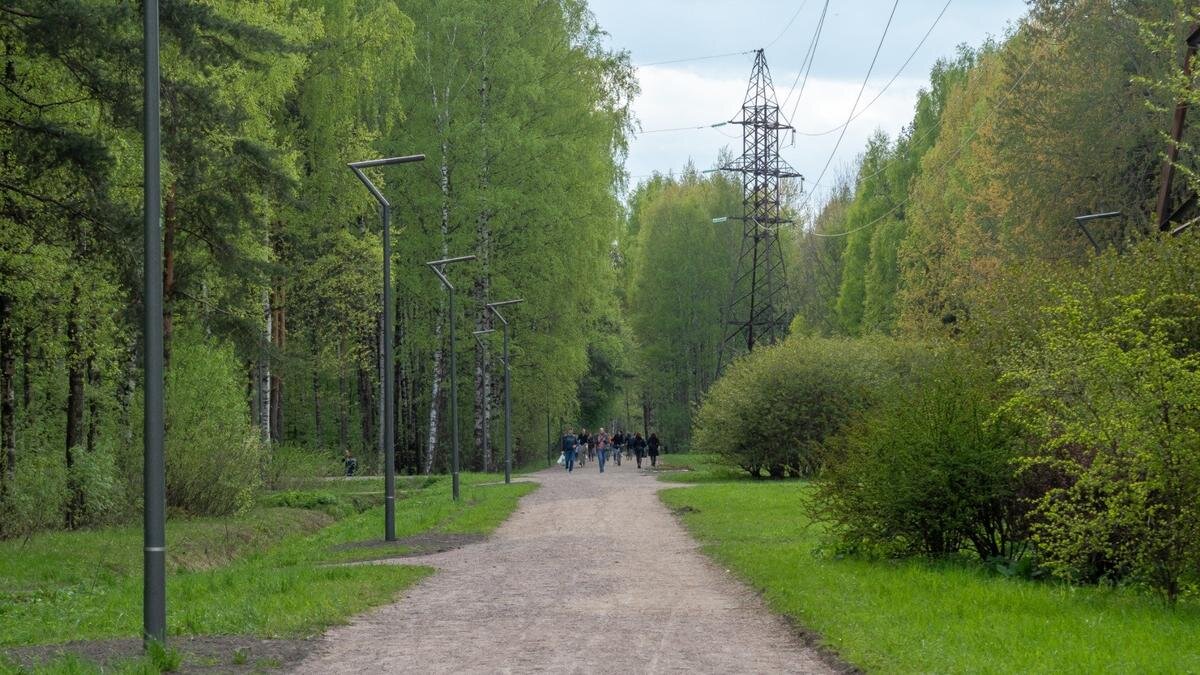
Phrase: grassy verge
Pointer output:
(696, 468)
(925, 617)
(265, 574)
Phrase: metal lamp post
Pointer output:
(154, 523)
(1081, 222)
(439, 268)
(389, 372)
(492, 306)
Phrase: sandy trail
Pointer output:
(592, 574)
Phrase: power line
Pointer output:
(789, 25)
(806, 65)
(693, 58)
(662, 131)
(953, 155)
(890, 82)
(861, 89)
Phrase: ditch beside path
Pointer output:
(591, 574)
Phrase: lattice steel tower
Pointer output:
(753, 313)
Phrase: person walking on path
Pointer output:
(569, 441)
(618, 445)
(639, 448)
(652, 448)
(585, 446)
(601, 447)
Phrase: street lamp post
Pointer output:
(493, 306)
(439, 268)
(154, 523)
(389, 372)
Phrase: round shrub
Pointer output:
(774, 409)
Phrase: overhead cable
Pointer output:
(861, 89)
(890, 82)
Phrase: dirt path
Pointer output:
(592, 574)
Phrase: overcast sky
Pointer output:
(703, 92)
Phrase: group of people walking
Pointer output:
(600, 447)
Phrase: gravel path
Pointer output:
(592, 574)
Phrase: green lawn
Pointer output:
(696, 468)
(264, 574)
(924, 617)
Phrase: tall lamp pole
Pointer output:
(439, 268)
(154, 523)
(493, 306)
(389, 372)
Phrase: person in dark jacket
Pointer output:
(569, 441)
(652, 448)
(639, 448)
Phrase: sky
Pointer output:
(703, 92)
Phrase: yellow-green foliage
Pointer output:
(1112, 402)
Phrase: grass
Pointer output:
(696, 468)
(264, 574)
(916, 616)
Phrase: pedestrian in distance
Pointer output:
(349, 462)
(585, 445)
(569, 441)
(618, 446)
(601, 447)
(652, 448)
(639, 448)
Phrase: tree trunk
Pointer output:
(26, 370)
(366, 406)
(379, 371)
(439, 357)
(481, 290)
(264, 371)
(8, 431)
(278, 342)
(645, 415)
(342, 403)
(397, 420)
(127, 389)
(93, 380)
(439, 372)
(170, 226)
(75, 393)
(318, 437)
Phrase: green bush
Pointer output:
(1109, 394)
(294, 465)
(927, 471)
(214, 456)
(774, 409)
(37, 496)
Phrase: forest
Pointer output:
(272, 256)
(946, 305)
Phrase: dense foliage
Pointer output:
(272, 249)
(1056, 425)
(929, 470)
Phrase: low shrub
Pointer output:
(37, 497)
(774, 409)
(928, 471)
(293, 465)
